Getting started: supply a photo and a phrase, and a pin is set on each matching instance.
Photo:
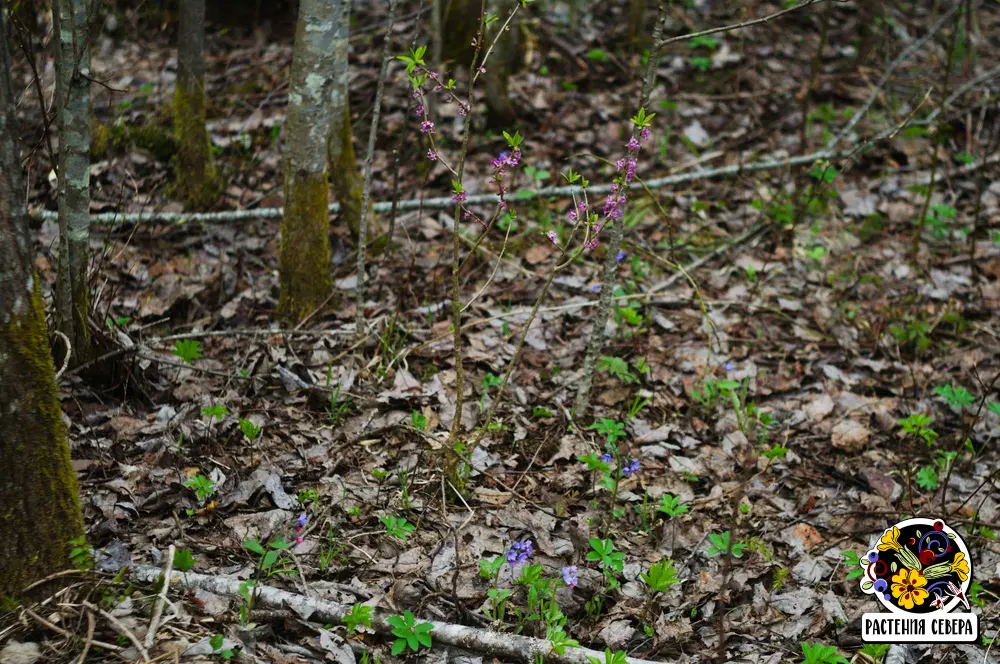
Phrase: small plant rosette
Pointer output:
(918, 566)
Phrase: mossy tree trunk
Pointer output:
(345, 176)
(39, 504)
(72, 29)
(197, 182)
(304, 263)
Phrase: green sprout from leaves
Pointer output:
(187, 350)
(359, 616)
(408, 633)
(397, 527)
(720, 543)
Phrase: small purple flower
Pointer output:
(569, 576)
(420, 110)
(303, 520)
(597, 229)
(482, 69)
(631, 468)
(606, 457)
(460, 197)
(462, 110)
(572, 215)
(553, 237)
(621, 256)
(500, 160)
(633, 145)
(426, 127)
(596, 288)
(630, 170)
(645, 134)
(433, 156)
(620, 164)
(729, 366)
(591, 244)
(520, 552)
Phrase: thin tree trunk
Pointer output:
(71, 19)
(39, 507)
(344, 173)
(197, 183)
(304, 263)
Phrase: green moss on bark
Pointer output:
(197, 182)
(348, 184)
(304, 262)
(39, 503)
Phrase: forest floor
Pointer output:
(763, 388)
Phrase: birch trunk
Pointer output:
(304, 261)
(71, 18)
(197, 183)
(39, 508)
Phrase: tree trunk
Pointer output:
(304, 263)
(39, 507)
(72, 26)
(461, 21)
(197, 183)
(344, 173)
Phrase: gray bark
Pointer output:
(303, 264)
(317, 37)
(15, 241)
(341, 78)
(191, 44)
(72, 99)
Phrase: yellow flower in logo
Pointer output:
(960, 566)
(908, 588)
(890, 540)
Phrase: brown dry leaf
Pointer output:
(850, 436)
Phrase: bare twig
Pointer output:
(110, 647)
(887, 74)
(91, 623)
(154, 620)
(736, 26)
(69, 353)
(359, 318)
(121, 628)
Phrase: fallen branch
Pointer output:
(497, 644)
(445, 202)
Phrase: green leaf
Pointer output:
(254, 546)
(188, 350)
(183, 560)
(216, 642)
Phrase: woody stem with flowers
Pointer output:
(614, 212)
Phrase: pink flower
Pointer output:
(645, 134)
(633, 145)
(420, 110)
(460, 197)
(591, 244)
(553, 238)
(432, 155)
(426, 127)
(299, 540)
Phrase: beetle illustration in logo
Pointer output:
(918, 566)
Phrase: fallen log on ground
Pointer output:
(498, 644)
